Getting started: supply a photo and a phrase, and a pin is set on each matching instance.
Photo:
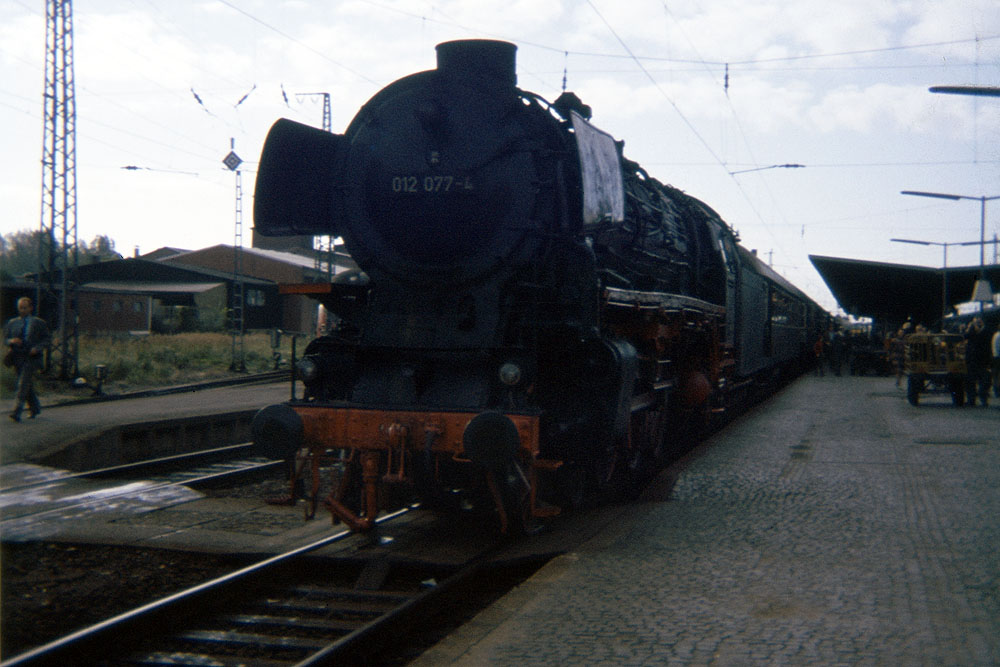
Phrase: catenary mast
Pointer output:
(58, 257)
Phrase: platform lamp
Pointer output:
(982, 291)
(944, 271)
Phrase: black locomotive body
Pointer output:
(537, 318)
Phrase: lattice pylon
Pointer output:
(58, 257)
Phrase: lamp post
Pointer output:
(982, 91)
(982, 291)
(944, 270)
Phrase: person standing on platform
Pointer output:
(818, 349)
(897, 351)
(26, 337)
(836, 351)
(995, 348)
(977, 362)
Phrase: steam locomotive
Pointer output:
(537, 320)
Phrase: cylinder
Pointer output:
(277, 432)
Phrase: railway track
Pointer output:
(205, 463)
(256, 378)
(36, 499)
(294, 608)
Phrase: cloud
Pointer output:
(885, 107)
(136, 63)
(22, 37)
(938, 21)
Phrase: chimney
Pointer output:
(479, 59)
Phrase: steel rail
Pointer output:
(82, 646)
(221, 453)
(129, 490)
(343, 647)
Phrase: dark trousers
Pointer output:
(26, 388)
(977, 383)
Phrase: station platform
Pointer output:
(833, 525)
(88, 435)
(51, 437)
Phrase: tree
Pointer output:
(19, 252)
(100, 249)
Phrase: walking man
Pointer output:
(27, 337)
(977, 362)
(995, 350)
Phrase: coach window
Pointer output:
(779, 308)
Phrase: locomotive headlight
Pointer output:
(510, 374)
(308, 370)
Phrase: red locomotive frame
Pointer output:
(686, 371)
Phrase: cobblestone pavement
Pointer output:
(835, 524)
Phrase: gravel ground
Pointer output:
(48, 590)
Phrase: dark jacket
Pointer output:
(35, 338)
(977, 349)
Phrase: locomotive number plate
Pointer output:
(430, 183)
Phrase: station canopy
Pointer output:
(895, 292)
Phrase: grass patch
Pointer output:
(159, 360)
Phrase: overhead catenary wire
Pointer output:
(689, 124)
(690, 61)
(701, 61)
(300, 43)
(577, 64)
(82, 22)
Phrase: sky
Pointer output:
(168, 86)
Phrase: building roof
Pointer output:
(165, 251)
(895, 292)
(136, 270)
(149, 288)
(341, 259)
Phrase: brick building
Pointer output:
(172, 289)
(297, 312)
(136, 295)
